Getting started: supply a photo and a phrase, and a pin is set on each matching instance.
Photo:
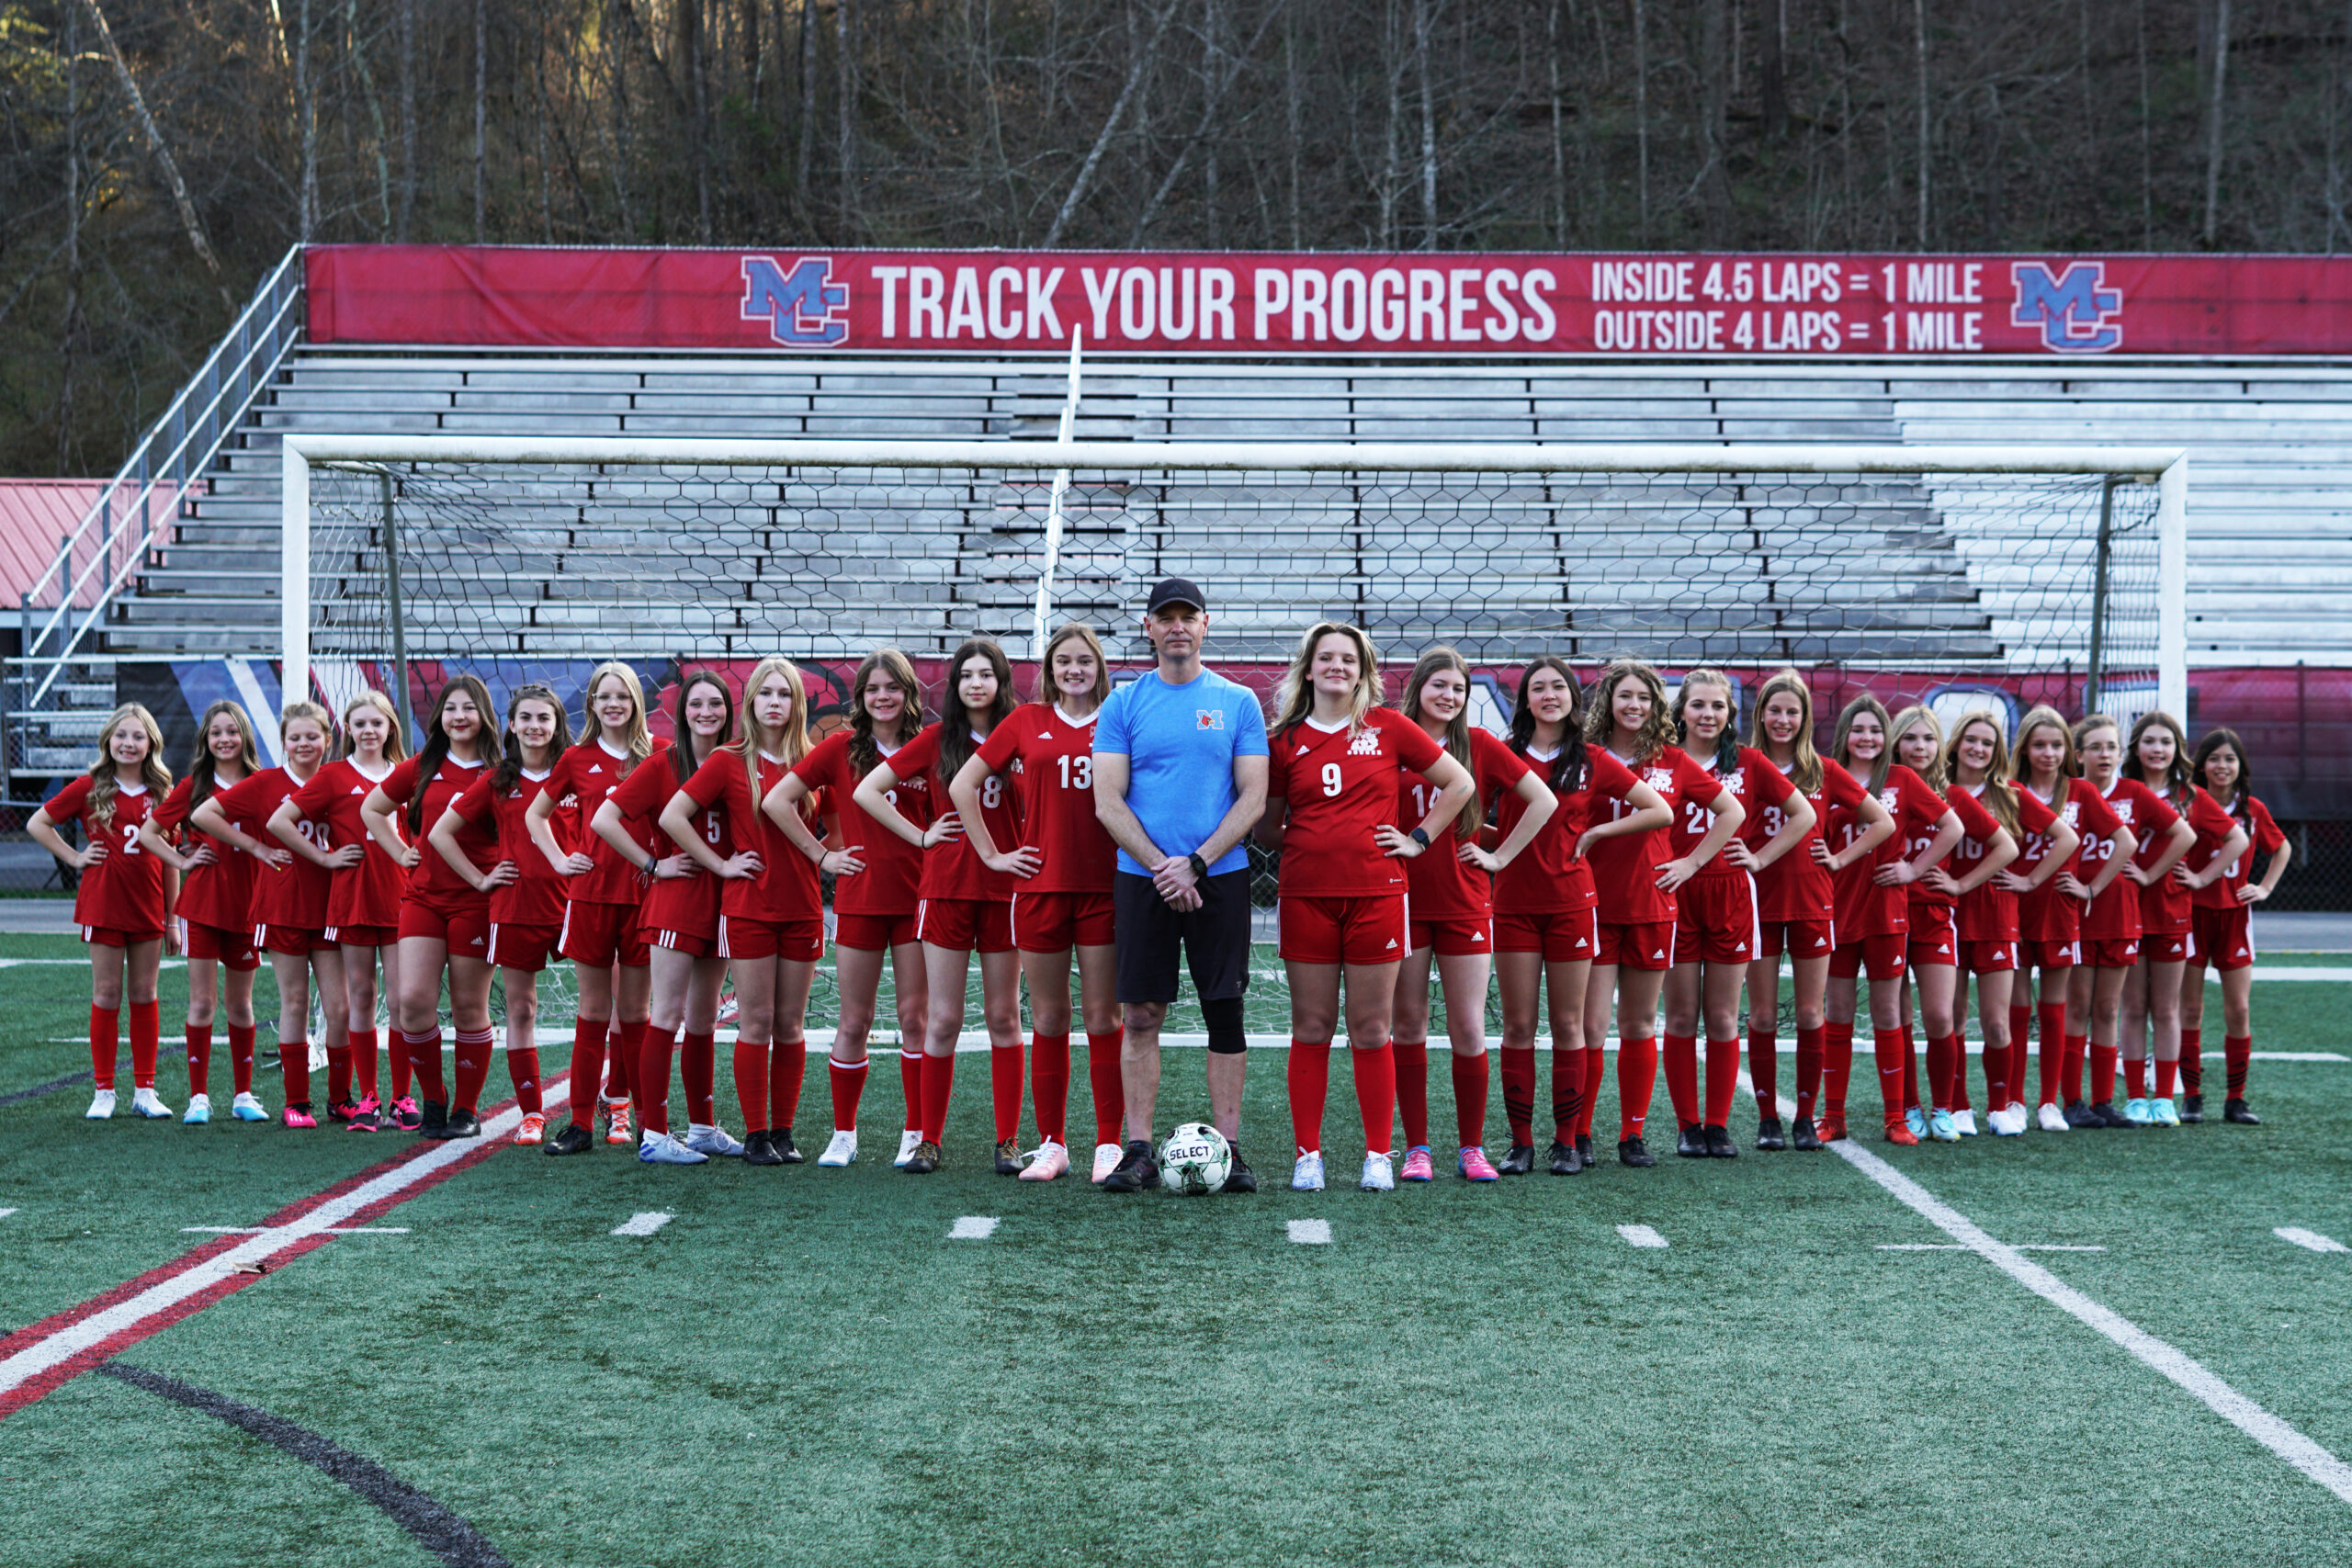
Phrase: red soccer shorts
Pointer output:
(463, 929)
(1055, 922)
(233, 950)
(525, 948)
(601, 935)
(1647, 946)
(2049, 954)
(1452, 939)
(1798, 939)
(1561, 936)
(363, 936)
(1880, 957)
(1988, 957)
(687, 943)
(874, 934)
(2117, 953)
(796, 942)
(2224, 937)
(1373, 928)
(1714, 920)
(2168, 947)
(1934, 938)
(294, 940)
(109, 936)
(966, 925)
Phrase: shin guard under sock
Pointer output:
(473, 1068)
(848, 1079)
(199, 1057)
(651, 1079)
(1637, 1085)
(363, 1063)
(1764, 1071)
(424, 1063)
(2051, 1025)
(1595, 1062)
(2192, 1061)
(1375, 1074)
(787, 1065)
(1049, 1085)
(1941, 1069)
(2165, 1073)
(587, 1069)
(523, 1070)
(2135, 1077)
(1518, 1089)
(699, 1073)
(910, 1080)
(1107, 1081)
(1891, 1052)
(2103, 1060)
(938, 1088)
(1470, 1096)
(338, 1073)
(1004, 1089)
(1681, 1079)
(240, 1057)
(1837, 1069)
(1723, 1082)
(2237, 1056)
(106, 1043)
(294, 1062)
(146, 1026)
(752, 1084)
(1413, 1091)
(1309, 1082)
(1571, 1094)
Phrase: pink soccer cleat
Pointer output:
(1418, 1167)
(299, 1116)
(1049, 1160)
(1475, 1167)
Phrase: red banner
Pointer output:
(1459, 305)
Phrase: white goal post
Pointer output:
(2165, 467)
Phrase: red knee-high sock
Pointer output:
(1571, 1093)
(146, 1033)
(1106, 1080)
(106, 1043)
(751, 1083)
(1837, 1069)
(2103, 1060)
(2165, 1073)
(1470, 1094)
(1960, 1101)
(338, 1073)
(849, 1086)
(1891, 1052)
(2070, 1071)
(523, 1070)
(1049, 1085)
(473, 1067)
(2135, 1077)
(698, 1071)
(2021, 1060)
(199, 1057)
(424, 1063)
(620, 1058)
(587, 1069)
(787, 1065)
(1996, 1075)
(1375, 1074)
(938, 1087)
(1595, 1064)
(2051, 1025)
(1004, 1089)
(1764, 1071)
(1310, 1082)
(652, 1079)
(403, 1071)
(1518, 1089)
(294, 1062)
(910, 1080)
(1681, 1078)
(1941, 1069)
(240, 1057)
(1723, 1082)
(2192, 1061)
(2237, 1056)
(1911, 1069)
(1637, 1084)
(1413, 1091)
(2021, 1026)
(363, 1063)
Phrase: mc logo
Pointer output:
(2076, 314)
(804, 309)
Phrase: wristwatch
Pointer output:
(1422, 837)
(1200, 866)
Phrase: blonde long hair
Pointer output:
(395, 743)
(1294, 699)
(105, 783)
(640, 741)
(1804, 771)
(1998, 796)
(1073, 631)
(791, 740)
(1934, 774)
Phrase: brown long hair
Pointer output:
(505, 773)
(1073, 631)
(683, 759)
(437, 742)
(2214, 741)
(1599, 718)
(1567, 766)
(2176, 781)
(955, 742)
(865, 748)
(1726, 755)
(1457, 728)
(204, 767)
(1864, 704)
(1804, 771)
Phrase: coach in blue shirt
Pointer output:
(1180, 779)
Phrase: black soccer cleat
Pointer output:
(2080, 1116)
(786, 1151)
(1520, 1161)
(1008, 1157)
(1719, 1143)
(1565, 1160)
(1769, 1135)
(922, 1162)
(1691, 1142)
(435, 1124)
(759, 1149)
(1137, 1170)
(462, 1123)
(2237, 1110)
(2108, 1116)
(2192, 1108)
(1801, 1136)
(1631, 1151)
(1584, 1150)
(573, 1140)
(1239, 1178)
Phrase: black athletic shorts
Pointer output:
(1213, 938)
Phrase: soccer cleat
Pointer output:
(1239, 1178)
(341, 1110)
(2110, 1117)
(1562, 1159)
(533, 1129)
(1419, 1167)
(1942, 1127)
(1472, 1165)
(101, 1107)
(2019, 1117)
(199, 1109)
(1517, 1160)
(2163, 1113)
(661, 1148)
(2135, 1110)
(2007, 1123)
(1830, 1128)
(2049, 1119)
(1769, 1136)
(1008, 1157)
(2192, 1108)
(909, 1141)
(1106, 1160)
(1049, 1160)
(1137, 1170)
(245, 1108)
(1306, 1176)
(406, 1116)
(922, 1162)
(2080, 1116)
(1584, 1150)
(1634, 1153)
(366, 1120)
(463, 1122)
(573, 1140)
(841, 1151)
(148, 1106)
(1691, 1142)
(1379, 1173)
(1916, 1119)
(719, 1144)
(1802, 1134)
(616, 1125)
(1718, 1142)
(780, 1138)
(1899, 1132)
(759, 1147)
(297, 1116)
(1964, 1123)
(2239, 1111)
(434, 1121)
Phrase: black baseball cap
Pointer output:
(1176, 590)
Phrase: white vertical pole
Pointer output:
(2172, 590)
(294, 573)
(1054, 518)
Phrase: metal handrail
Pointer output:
(187, 437)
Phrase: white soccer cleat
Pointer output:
(709, 1140)
(909, 1141)
(1963, 1122)
(661, 1148)
(2053, 1120)
(2007, 1123)
(2019, 1117)
(1048, 1160)
(1106, 1160)
(148, 1105)
(841, 1151)
(199, 1109)
(101, 1107)
(1308, 1174)
(1379, 1173)
(247, 1108)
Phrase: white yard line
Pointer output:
(1310, 1233)
(2310, 1241)
(1640, 1235)
(973, 1228)
(644, 1223)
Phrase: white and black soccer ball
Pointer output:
(1196, 1160)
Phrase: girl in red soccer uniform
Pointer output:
(1715, 936)
(215, 908)
(771, 913)
(600, 914)
(2050, 917)
(525, 892)
(1450, 896)
(965, 905)
(1978, 762)
(876, 875)
(1061, 887)
(1796, 905)
(1545, 928)
(679, 920)
(2158, 756)
(1336, 765)
(363, 901)
(290, 905)
(1638, 879)
(123, 899)
(1872, 901)
(444, 918)
(2110, 923)
(2221, 922)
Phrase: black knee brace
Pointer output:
(1226, 1036)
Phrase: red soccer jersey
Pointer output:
(1547, 876)
(889, 884)
(367, 893)
(1865, 908)
(1625, 869)
(687, 904)
(1797, 887)
(1341, 787)
(1442, 887)
(2046, 914)
(786, 888)
(2221, 893)
(1053, 756)
(295, 894)
(1975, 823)
(125, 891)
(2114, 915)
(1990, 913)
(535, 896)
(953, 870)
(587, 775)
(219, 895)
(431, 877)
(1755, 782)
(2163, 907)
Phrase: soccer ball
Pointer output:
(1196, 1159)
